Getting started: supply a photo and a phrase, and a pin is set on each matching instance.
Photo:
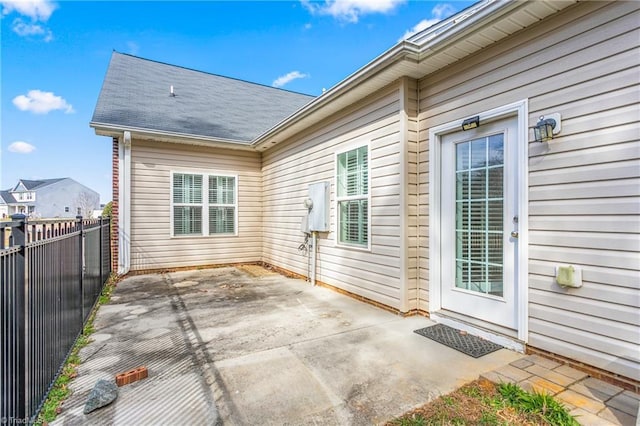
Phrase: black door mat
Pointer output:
(459, 340)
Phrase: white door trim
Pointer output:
(519, 109)
(491, 308)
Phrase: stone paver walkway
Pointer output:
(590, 400)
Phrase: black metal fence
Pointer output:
(51, 275)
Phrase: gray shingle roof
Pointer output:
(7, 198)
(35, 184)
(135, 93)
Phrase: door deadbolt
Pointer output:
(514, 234)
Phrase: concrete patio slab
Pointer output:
(247, 346)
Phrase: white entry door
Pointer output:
(479, 239)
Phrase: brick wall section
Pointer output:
(114, 206)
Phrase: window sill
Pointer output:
(182, 237)
(357, 247)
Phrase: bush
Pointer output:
(107, 209)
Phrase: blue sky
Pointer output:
(54, 56)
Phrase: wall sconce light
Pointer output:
(546, 127)
(471, 123)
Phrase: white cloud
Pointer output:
(438, 13)
(287, 78)
(38, 11)
(420, 26)
(133, 47)
(21, 147)
(443, 10)
(40, 102)
(350, 10)
(23, 29)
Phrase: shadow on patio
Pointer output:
(248, 346)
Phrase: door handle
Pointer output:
(514, 234)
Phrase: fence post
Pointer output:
(100, 254)
(18, 234)
(109, 252)
(82, 267)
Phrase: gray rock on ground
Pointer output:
(103, 393)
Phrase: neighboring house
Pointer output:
(5, 198)
(50, 198)
(473, 227)
(98, 212)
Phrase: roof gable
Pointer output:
(20, 187)
(136, 94)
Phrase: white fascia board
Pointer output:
(429, 32)
(462, 23)
(405, 50)
(104, 129)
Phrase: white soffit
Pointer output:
(519, 15)
(488, 23)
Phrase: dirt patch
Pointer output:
(475, 403)
(256, 270)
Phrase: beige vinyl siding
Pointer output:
(584, 186)
(152, 245)
(289, 168)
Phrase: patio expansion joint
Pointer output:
(316, 338)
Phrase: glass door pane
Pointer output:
(479, 215)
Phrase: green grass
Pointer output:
(416, 421)
(483, 403)
(537, 403)
(60, 389)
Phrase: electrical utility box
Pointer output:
(320, 194)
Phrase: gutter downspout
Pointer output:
(124, 208)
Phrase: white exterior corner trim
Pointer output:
(520, 109)
(404, 189)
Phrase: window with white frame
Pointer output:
(203, 204)
(352, 182)
(222, 204)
